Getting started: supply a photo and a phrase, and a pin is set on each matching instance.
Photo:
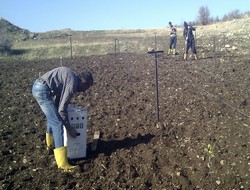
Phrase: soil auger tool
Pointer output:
(155, 52)
(185, 45)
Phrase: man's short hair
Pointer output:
(86, 77)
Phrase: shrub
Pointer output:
(5, 46)
(235, 14)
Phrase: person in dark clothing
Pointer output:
(189, 40)
(173, 39)
(53, 92)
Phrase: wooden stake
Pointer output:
(95, 142)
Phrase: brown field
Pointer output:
(202, 141)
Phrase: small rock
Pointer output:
(222, 162)
(218, 182)
(25, 160)
(77, 185)
(234, 48)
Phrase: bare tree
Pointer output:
(204, 15)
(235, 14)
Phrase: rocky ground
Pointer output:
(201, 142)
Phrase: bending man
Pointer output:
(53, 92)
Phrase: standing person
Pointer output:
(53, 92)
(189, 40)
(173, 39)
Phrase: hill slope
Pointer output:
(56, 43)
(12, 31)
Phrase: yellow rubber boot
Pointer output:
(173, 52)
(169, 51)
(185, 57)
(49, 140)
(62, 160)
(195, 57)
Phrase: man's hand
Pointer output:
(72, 131)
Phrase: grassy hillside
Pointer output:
(55, 44)
(11, 31)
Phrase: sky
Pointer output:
(85, 15)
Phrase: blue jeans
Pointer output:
(42, 94)
(173, 41)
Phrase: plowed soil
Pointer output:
(201, 142)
